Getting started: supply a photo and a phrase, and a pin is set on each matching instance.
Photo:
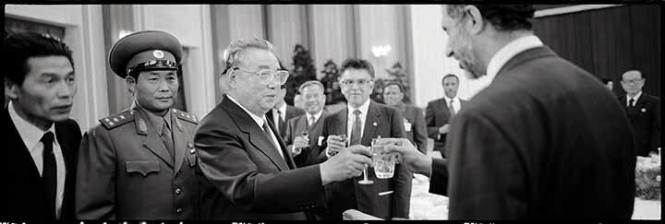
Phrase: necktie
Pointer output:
(452, 110)
(266, 131)
(355, 130)
(167, 138)
(311, 122)
(631, 102)
(281, 126)
(49, 174)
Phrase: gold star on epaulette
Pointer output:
(185, 116)
(116, 120)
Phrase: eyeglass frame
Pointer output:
(266, 81)
(632, 81)
(357, 81)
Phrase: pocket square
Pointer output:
(385, 193)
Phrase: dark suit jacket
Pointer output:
(417, 132)
(645, 120)
(243, 175)
(23, 197)
(437, 115)
(295, 127)
(381, 121)
(126, 172)
(291, 112)
(545, 140)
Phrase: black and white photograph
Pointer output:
(462, 111)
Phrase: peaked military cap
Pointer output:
(145, 51)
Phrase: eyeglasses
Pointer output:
(266, 75)
(349, 82)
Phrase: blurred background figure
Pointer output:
(439, 113)
(282, 112)
(303, 133)
(608, 83)
(643, 112)
(414, 120)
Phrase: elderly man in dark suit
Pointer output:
(139, 163)
(439, 113)
(303, 133)
(245, 167)
(545, 140)
(414, 120)
(643, 112)
(281, 113)
(39, 158)
(363, 120)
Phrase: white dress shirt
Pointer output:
(351, 118)
(507, 52)
(316, 117)
(259, 121)
(635, 98)
(457, 105)
(31, 136)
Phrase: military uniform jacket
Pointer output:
(125, 171)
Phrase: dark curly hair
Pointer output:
(22, 46)
(355, 63)
(504, 17)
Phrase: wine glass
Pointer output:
(365, 180)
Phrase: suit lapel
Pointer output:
(19, 152)
(255, 134)
(151, 141)
(372, 121)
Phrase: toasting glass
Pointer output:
(365, 180)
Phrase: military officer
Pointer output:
(139, 164)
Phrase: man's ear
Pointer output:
(475, 23)
(231, 78)
(11, 89)
(131, 85)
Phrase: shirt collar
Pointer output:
(363, 108)
(30, 134)
(282, 110)
(316, 116)
(259, 120)
(636, 97)
(155, 120)
(509, 51)
(448, 99)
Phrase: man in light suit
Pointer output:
(439, 113)
(303, 133)
(245, 168)
(545, 140)
(40, 140)
(363, 120)
(139, 164)
(281, 113)
(414, 120)
(643, 112)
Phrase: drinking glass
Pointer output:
(384, 163)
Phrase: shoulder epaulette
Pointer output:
(185, 116)
(116, 120)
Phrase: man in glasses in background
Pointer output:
(246, 170)
(643, 113)
(363, 120)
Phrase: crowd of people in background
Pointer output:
(545, 140)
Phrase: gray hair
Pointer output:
(233, 55)
(310, 83)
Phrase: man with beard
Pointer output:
(545, 140)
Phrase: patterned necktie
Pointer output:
(50, 172)
(452, 110)
(167, 138)
(355, 130)
(267, 132)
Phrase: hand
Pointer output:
(444, 129)
(295, 151)
(347, 164)
(413, 159)
(335, 143)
